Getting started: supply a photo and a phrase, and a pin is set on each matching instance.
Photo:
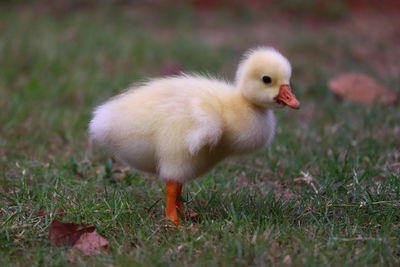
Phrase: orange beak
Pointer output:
(285, 96)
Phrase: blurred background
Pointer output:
(332, 171)
(60, 58)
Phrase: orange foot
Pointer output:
(173, 191)
(175, 204)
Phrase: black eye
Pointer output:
(266, 79)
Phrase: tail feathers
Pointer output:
(99, 126)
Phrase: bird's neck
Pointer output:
(238, 96)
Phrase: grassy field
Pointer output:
(56, 66)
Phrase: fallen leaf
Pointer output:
(362, 89)
(91, 243)
(67, 234)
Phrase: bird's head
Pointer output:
(263, 77)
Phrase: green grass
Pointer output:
(54, 68)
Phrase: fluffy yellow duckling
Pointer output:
(180, 127)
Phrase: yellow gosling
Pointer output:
(179, 127)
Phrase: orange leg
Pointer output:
(174, 190)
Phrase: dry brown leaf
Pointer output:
(81, 237)
(91, 243)
(362, 89)
(67, 234)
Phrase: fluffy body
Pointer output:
(180, 127)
